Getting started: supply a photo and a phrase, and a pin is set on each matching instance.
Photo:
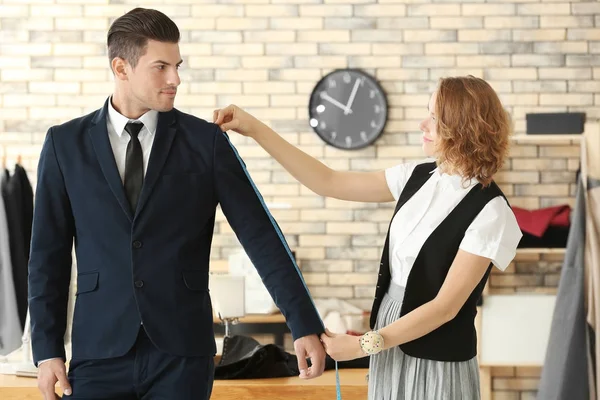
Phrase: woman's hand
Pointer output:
(342, 347)
(234, 118)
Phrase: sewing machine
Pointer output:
(227, 297)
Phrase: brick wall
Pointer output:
(540, 56)
(520, 383)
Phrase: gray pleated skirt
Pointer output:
(394, 375)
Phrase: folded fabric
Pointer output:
(245, 358)
(536, 222)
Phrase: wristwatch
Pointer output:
(371, 342)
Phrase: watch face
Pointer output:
(348, 109)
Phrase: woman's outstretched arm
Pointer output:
(343, 185)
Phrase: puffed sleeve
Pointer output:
(494, 234)
(398, 175)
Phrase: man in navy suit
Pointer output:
(136, 185)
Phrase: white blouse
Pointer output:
(493, 234)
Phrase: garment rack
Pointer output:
(19, 160)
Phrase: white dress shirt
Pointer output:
(115, 124)
(493, 234)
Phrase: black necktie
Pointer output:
(134, 165)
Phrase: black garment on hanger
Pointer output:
(27, 202)
(245, 358)
(18, 202)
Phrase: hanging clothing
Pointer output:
(10, 326)
(18, 202)
(590, 170)
(570, 370)
(564, 374)
(27, 210)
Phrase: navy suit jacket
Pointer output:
(150, 266)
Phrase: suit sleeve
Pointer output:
(262, 240)
(50, 258)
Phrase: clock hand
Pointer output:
(333, 101)
(352, 95)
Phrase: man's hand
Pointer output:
(50, 372)
(310, 347)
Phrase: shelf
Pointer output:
(546, 138)
(557, 250)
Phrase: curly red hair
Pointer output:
(473, 128)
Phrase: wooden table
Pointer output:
(353, 382)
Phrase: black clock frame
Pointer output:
(375, 83)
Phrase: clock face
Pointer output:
(348, 109)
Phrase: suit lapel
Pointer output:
(165, 133)
(99, 135)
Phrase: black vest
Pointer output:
(456, 340)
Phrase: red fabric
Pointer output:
(536, 222)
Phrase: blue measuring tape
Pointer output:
(285, 245)
(337, 382)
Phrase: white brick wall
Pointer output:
(267, 56)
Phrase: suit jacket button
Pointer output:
(139, 284)
(137, 244)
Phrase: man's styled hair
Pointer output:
(129, 34)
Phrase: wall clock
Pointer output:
(348, 109)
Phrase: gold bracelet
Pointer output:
(371, 342)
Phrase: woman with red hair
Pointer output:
(451, 225)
